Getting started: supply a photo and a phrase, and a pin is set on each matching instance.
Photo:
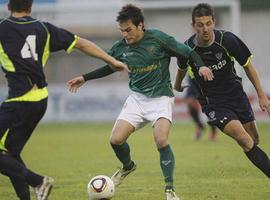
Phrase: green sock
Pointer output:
(122, 152)
(167, 165)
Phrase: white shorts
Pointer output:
(139, 109)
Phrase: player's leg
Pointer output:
(167, 161)
(21, 177)
(258, 157)
(160, 114)
(235, 130)
(129, 119)
(213, 133)
(194, 107)
(21, 187)
(252, 130)
(11, 165)
(120, 133)
(17, 122)
(161, 133)
(194, 111)
(35, 111)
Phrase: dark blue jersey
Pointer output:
(25, 45)
(219, 57)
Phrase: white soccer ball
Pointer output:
(100, 188)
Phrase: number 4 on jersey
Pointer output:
(29, 48)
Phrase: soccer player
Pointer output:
(25, 45)
(223, 99)
(147, 54)
(194, 109)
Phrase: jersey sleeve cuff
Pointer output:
(248, 60)
(71, 47)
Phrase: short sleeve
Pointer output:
(237, 48)
(61, 39)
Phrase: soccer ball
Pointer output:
(100, 188)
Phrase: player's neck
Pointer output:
(203, 43)
(20, 14)
(140, 36)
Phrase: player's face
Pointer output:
(130, 32)
(204, 28)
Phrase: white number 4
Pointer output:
(29, 48)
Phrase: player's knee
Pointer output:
(116, 141)
(246, 143)
(161, 142)
(256, 140)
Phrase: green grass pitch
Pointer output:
(73, 153)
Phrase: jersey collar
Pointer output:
(195, 41)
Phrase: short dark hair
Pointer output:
(202, 9)
(20, 5)
(130, 12)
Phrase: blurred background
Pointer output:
(102, 100)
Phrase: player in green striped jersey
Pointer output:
(147, 53)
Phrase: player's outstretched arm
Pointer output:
(254, 79)
(75, 83)
(93, 50)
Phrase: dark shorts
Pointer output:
(17, 122)
(238, 108)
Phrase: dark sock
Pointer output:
(195, 116)
(167, 165)
(259, 159)
(11, 167)
(32, 177)
(122, 152)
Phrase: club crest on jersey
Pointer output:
(151, 49)
(212, 114)
(218, 55)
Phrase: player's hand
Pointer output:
(265, 104)
(206, 73)
(75, 83)
(119, 66)
(181, 88)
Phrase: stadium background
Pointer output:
(72, 153)
(101, 100)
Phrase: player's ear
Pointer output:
(141, 26)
